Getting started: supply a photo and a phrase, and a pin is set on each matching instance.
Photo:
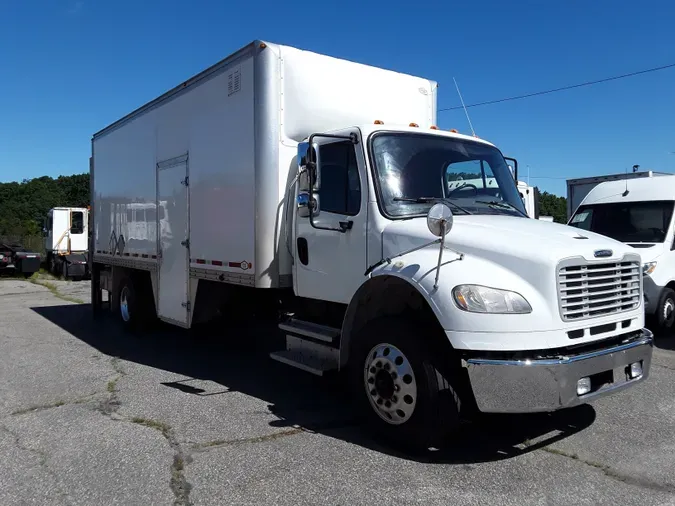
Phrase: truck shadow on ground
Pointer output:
(664, 341)
(238, 360)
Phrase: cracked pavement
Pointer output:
(90, 415)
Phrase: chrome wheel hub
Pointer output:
(124, 304)
(390, 383)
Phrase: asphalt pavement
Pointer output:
(90, 415)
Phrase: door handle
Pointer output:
(185, 243)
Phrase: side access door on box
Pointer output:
(173, 241)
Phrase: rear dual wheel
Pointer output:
(135, 303)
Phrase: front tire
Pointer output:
(665, 313)
(406, 387)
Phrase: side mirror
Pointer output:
(303, 203)
(309, 165)
(440, 219)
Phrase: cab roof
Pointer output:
(639, 190)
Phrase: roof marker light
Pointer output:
(413, 125)
(454, 131)
(433, 127)
(378, 122)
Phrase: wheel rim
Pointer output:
(124, 304)
(668, 311)
(390, 384)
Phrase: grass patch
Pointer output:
(39, 407)
(162, 427)
(55, 404)
(256, 439)
(37, 280)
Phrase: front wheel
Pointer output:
(407, 389)
(665, 312)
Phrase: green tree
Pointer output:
(24, 205)
(553, 205)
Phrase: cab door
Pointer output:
(330, 248)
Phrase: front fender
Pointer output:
(384, 292)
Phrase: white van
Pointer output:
(639, 212)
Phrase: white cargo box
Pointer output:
(198, 176)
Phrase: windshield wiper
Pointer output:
(426, 200)
(500, 204)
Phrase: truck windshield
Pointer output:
(629, 222)
(412, 170)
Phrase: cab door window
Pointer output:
(340, 191)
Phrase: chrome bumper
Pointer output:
(539, 385)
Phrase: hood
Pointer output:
(649, 253)
(505, 239)
(503, 252)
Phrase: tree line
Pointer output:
(24, 205)
(552, 205)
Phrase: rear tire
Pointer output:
(135, 305)
(126, 303)
(407, 389)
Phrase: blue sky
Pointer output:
(70, 67)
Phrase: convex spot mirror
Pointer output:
(308, 167)
(440, 219)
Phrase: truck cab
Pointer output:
(639, 213)
(422, 234)
(66, 236)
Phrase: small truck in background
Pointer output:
(66, 233)
(15, 259)
(322, 192)
(578, 188)
(639, 212)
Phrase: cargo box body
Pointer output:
(206, 165)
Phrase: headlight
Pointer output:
(648, 268)
(481, 299)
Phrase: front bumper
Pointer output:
(651, 294)
(28, 263)
(549, 384)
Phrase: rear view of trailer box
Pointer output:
(192, 185)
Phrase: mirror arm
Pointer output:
(515, 167)
(389, 259)
(352, 137)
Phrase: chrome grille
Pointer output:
(593, 290)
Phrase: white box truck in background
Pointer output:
(639, 213)
(578, 188)
(66, 233)
(322, 189)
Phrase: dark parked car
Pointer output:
(14, 258)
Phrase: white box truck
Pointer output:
(639, 213)
(578, 188)
(321, 188)
(66, 233)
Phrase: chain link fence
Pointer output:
(30, 242)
